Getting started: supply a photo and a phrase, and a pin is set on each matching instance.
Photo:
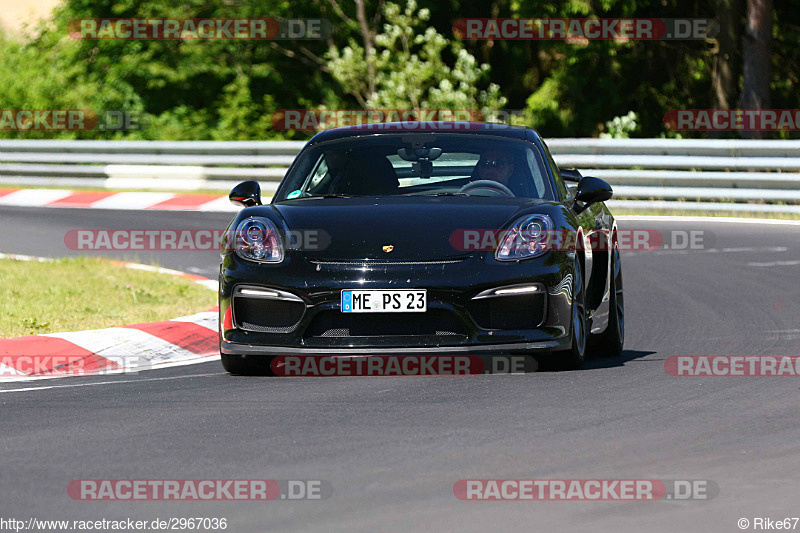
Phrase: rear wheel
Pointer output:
(243, 365)
(574, 358)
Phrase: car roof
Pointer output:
(427, 127)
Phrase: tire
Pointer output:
(242, 365)
(610, 342)
(574, 358)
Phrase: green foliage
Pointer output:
(229, 89)
(221, 89)
(621, 127)
(407, 68)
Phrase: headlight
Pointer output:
(257, 239)
(528, 237)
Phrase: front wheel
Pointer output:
(574, 358)
(610, 342)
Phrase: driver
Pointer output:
(496, 165)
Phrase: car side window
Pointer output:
(562, 189)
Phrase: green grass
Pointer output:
(87, 293)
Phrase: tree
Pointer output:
(756, 72)
(727, 59)
(405, 66)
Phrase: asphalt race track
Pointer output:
(393, 447)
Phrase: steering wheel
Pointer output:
(496, 188)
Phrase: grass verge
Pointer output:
(87, 293)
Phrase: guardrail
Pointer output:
(695, 174)
(670, 173)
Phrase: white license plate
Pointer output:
(384, 301)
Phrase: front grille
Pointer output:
(336, 332)
(381, 263)
(267, 315)
(436, 322)
(524, 311)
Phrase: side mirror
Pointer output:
(246, 194)
(590, 191)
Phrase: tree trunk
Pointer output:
(757, 37)
(727, 59)
(361, 16)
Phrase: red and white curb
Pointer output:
(159, 201)
(185, 340)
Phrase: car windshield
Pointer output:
(409, 165)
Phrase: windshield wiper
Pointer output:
(333, 196)
(448, 194)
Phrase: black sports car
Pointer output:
(435, 238)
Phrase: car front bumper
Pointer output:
(455, 321)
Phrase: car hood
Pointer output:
(416, 228)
